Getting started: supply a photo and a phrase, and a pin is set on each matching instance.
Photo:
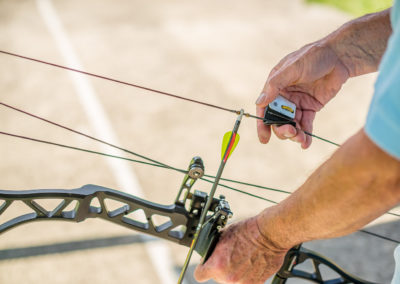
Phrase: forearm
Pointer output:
(361, 43)
(356, 185)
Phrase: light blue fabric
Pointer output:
(395, 13)
(396, 276)
(383, 121)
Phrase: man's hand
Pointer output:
(313, 75)
(310, 78)
(242, 256)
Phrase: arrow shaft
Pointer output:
(210, 198)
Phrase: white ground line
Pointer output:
(126, 179)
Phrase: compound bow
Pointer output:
(183, 218)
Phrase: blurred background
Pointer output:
(219, 52)
(355, 7)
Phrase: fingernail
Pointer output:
(290, 134)
(264, 139)
(261, 98)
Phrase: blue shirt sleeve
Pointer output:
(383, 120)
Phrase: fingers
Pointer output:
(266, 97)
(307, 125)
(287, 131)
(241, 256)
(264, 131)
(283, 132)
(213, 266)
(281, 78)
(201, 273)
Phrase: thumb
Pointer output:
(266, 97)
(201, 273)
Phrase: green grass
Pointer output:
(356, 7)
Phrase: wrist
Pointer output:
(349, 51)
(274, 233)
(361, 43)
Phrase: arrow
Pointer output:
(227, 150)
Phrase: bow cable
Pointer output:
(86, 135)
(153, 164)
(152, 90)
(184, 171)
(119, 81)
(151, 161)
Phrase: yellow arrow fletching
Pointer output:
(228, 144)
